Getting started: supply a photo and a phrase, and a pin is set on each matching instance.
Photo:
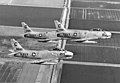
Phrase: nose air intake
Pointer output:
(68, 55)
(109, 34)
(106, 35)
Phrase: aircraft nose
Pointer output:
(68, 55)
(108, 34)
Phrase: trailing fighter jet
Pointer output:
(50, 36)
(38, 57)
(84, 36)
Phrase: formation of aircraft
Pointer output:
(38, 57)
(42, 56)
(61, 33)
(84, 36)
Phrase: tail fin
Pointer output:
(26, 27)
(65, 4)
(59, 26)
(16, 46)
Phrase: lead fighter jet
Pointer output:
(84, 36)
(49, 36)
(38, 57)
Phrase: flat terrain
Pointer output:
(94, 18)
(29, 74)
(98, 0)
(13, 12)
(40, 73)
(89, 74)
(96, 4)
(87, 15)
(11, 15)
(18, 31)
(35, 3)
(9, 72)
(40, 3)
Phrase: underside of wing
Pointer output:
(86, 40)
(45, 61)
(30, 61)
(43, 40)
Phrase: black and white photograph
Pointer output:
(59, 41)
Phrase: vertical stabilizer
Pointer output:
(26, 27)
(59, 26)
(16, 46)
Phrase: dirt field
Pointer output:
(9, 72)
(40, 3)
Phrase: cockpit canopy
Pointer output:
(96, 29)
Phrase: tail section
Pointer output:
(65, 4)
(16, 46)
(59, 26)
(26, 27)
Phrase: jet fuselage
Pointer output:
(42, 35)
(80, 34)
(44, 54)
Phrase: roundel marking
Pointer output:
(75, 34)
(40, 35)
(33, 54)
(15, 44)
(59, 25)
(25, 26)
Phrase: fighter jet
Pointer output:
(38, 57)
(84, 36)
(50, 36)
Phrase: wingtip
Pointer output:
(23, 23)
(12, 39)
(55, 21)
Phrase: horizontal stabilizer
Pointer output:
(11, 54)
(11, 50)
(45, 62)
(89, 42)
